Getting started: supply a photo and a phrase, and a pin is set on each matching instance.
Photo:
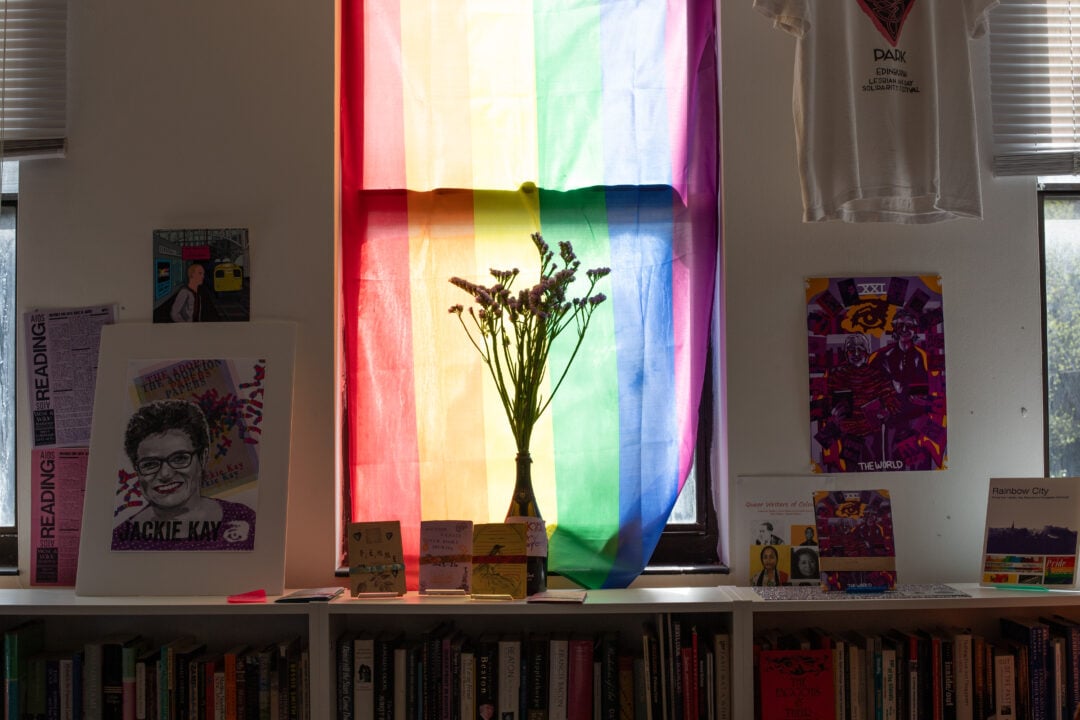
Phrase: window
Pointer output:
(1060, 239)
(594, 124)
(9, 188)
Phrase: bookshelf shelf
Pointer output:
(738, 611)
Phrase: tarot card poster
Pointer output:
(1031, 531)
(187, 474)
(876, 350)
(856, 545)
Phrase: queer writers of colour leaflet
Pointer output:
(187, 474)
(774, 526)
(1031, 531)
(58, 482)
(61, 362)
(876, 350)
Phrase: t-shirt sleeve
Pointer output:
(975, 12)
(792, 16)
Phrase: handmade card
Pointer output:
(376, 558)
(189, 460)
(855, 539)
(446, 555)
(499, 559)
(1031, 532)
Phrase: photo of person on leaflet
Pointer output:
(168, 444)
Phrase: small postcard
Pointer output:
(855, 539)
(498, 559)
(446, 555)
(376, 559)
(1031, 532)
(201, 275)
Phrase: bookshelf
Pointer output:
(738, 611)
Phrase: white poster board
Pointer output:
(187, 484)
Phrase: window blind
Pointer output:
(1035, 87)
(33, 94)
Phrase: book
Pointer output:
(1031, 532)
(364, 677)
(108, 683)
(499, 559)
(558, 677)
(856, 547)
(1004, 682)
(467, 682)
(509, 677)
(446, 555)
(232, 668)
(537, 669)
(579, 689)
(963, 672)
(487, 675)
(401, 670)
(796, 683)
(722, 653)
(22, 641)
(376, 558)
(1034, 636)
(385, 644)
(1057, 679)
(606, 655)
(1069, 632)
(343, 645)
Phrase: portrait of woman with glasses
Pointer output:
(168, 443)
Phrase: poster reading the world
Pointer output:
(876, 351)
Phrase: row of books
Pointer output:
(126, 676)
(673, 670)
(1028, 670)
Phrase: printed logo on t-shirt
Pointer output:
(888, 16)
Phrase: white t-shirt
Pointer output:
(884, 112)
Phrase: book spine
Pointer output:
(345, 678)
(537, 677)
(626, 687)
(401, 665)
(1004, 684)
(948, 680)
(67, 709)
(384, 679)
(487, 679)
(558, 668)
(963, 672)
(608, 656)
(579, 702)
(509, 669)
(722, 651)
(364, 678)
(92, 682)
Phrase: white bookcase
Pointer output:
(740, 611)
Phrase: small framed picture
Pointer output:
(189, 458)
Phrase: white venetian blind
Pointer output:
(33, 78)
(1035, 86)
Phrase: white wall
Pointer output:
(205, 113)
(991, 300)
(201, 114)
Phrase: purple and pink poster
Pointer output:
(876, 350)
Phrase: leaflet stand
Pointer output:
(444, 592)
(493, 597)
(375, 596)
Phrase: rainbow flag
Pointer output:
(593, 122)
